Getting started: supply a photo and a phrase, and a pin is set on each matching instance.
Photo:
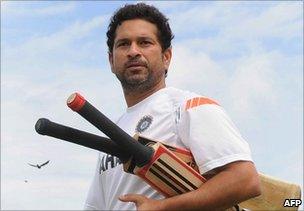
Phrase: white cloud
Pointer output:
(55, 9)
(235, 20)
(44, 48)
(252, 84)
(282, 20)
(24, 9)
(246, 82)
(54, 192)
(197, 72)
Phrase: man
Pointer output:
(139, 41)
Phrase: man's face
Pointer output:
(137, 58)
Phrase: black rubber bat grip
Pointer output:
(46, 127)
(141, 154)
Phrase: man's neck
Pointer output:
(133, 98)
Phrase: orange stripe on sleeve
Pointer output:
(206, 101)
(197, 101)
(188, 104)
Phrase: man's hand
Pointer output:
(142, 202)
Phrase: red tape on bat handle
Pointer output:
(142, 154)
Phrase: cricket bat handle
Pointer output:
(141, 154)
(46, 127)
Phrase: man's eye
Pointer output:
(145, 42)
(122, 44)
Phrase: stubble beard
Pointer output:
(139, 85)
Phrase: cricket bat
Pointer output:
(155, 164)
(274, 194)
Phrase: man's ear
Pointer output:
(167, 55)
(110, 56)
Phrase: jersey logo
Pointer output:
(108, 161)
(197, 101)
(144, 123)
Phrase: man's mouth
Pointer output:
(135, 64)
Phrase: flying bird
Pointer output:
(39, 166)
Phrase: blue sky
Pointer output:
(246, 55)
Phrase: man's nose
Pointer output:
(134, 51)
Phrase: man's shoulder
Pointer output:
(179, 96)
(188, 99)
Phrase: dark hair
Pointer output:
(141, 11)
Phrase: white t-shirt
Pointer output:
(174, 117)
